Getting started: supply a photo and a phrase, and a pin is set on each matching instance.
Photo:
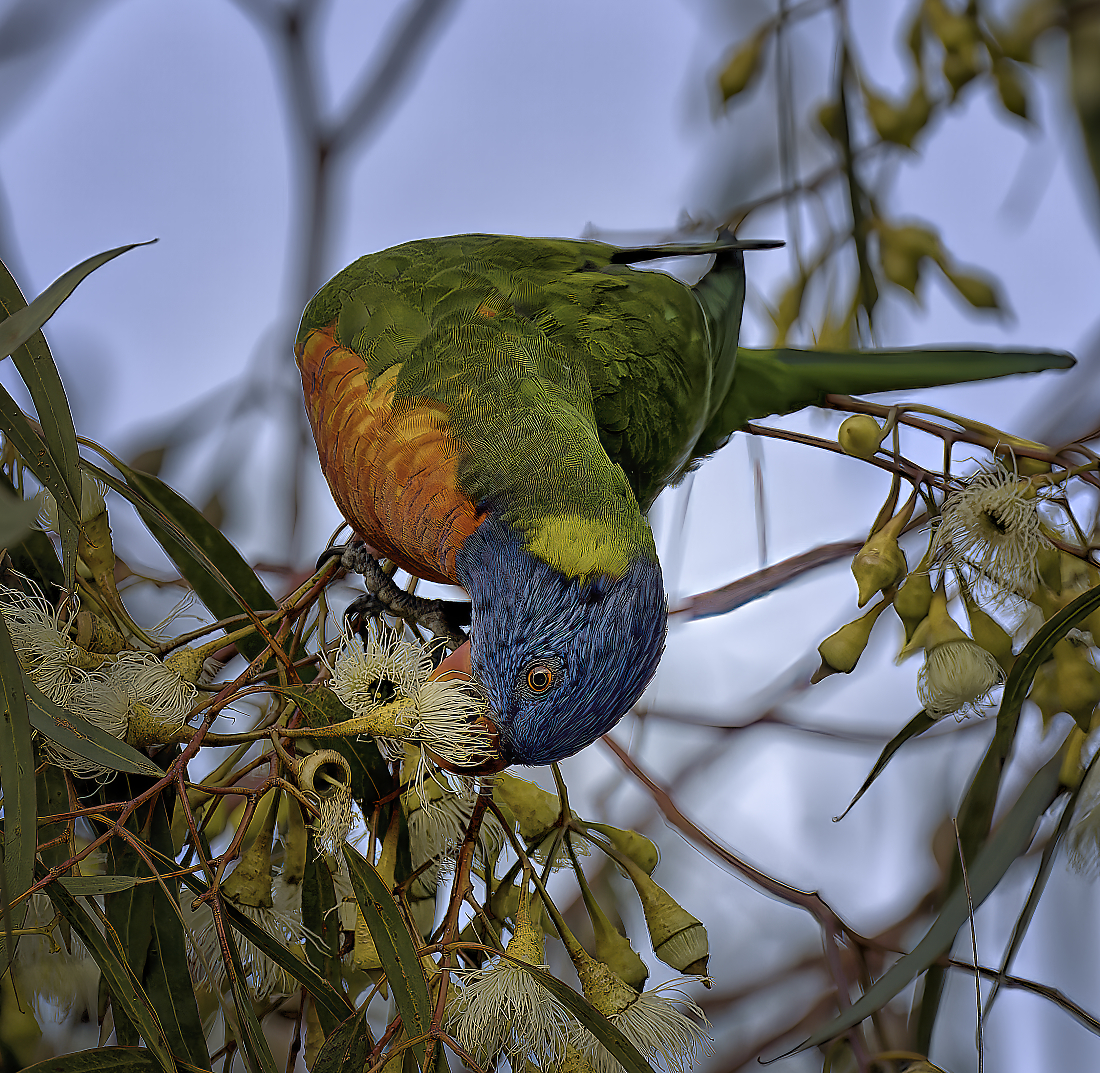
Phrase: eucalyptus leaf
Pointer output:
(17, 517)
(996, 857)
(395, 946)
(124, 989)
(85, 886)
(25, 320)
(215, 569)
(916, 726)
(19, 789)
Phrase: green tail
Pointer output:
(784, 380)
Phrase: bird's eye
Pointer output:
(539, 677)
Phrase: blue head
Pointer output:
(560, 660)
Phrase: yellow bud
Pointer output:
(879, 565)
(913, 600)
(250, 883)
(536, 810)
(186, 662)
(1049, 561)
(1024, 465)
(96, 634)
(938, 628)
(742, 65)
(860, 436)
(678, 939)
(840, 651)
(612, 947)
(989, 633)
(630, 844)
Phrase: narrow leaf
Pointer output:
(396, 949)
(257, 1053)
(320, 920)
(920, 722)
(125, 990)
(1011, 839)
(24, 320)
(19, 790)
(100, 1060)
(85, 886)
(347, 1046)
(17, 516)
(325, 995)
(70, 731)
(216, 570)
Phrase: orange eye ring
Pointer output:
(539, 678)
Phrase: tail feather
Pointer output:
(784, 380)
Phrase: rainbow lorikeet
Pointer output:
(499, 413)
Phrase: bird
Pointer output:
(499, 413)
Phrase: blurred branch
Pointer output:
(745, 590)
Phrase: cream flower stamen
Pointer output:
(38, 633)
(385, 682)
(992, 525)
(957, 677)
(502, 1008)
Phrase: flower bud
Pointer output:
(630, 844)
(879, 565)
(937, 628)
(96, 634)
(1024, 465)
(612, 948)
(840, 651)
(860, 436)
(1073, 770)
(186, 662)
(536, 810)
(913, 600)
(678, 939)
(989, 633)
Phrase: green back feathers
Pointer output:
(577, 385)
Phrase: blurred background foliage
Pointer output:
(933, 168)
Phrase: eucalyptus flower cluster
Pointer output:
(132, 695)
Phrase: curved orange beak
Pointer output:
(458, 660)
(457, 664)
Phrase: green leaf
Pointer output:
(125, 990)
(70, 731)
(20, 336)
(36, 456)
(395, 948)
(20, 793)
(326, 996)
(25, 320)
(1011, 839)
(216, 570)
(17, 516)
(147, 919)
(100, 1060)
(976, 811)
(257, 1053)
(346, 1047)
(86, 886)
(611, 1037)
(321, 920)
(920, 722)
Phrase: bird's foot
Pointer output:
(444, 618)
